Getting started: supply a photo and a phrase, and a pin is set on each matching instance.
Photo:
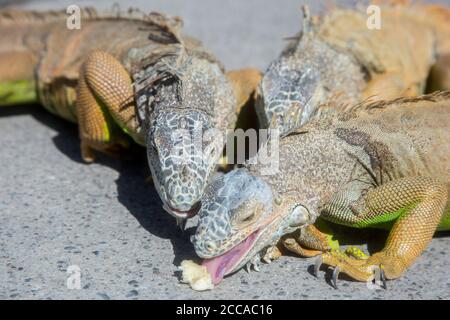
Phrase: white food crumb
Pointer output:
(196, 276)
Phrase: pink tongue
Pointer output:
(219, 266)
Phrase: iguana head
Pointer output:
(240, 217)
(288, 93)
(180, 160)
(184, 141)
(307, 76)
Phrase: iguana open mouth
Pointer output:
(183, 214)
(220, 266)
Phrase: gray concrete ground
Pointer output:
(57, 212)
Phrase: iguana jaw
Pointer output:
(220, 266)
(179, 214)
(179, 160)
(258, 237)
(262, 236)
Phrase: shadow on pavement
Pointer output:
(138, 196)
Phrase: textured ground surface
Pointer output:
(56, 211)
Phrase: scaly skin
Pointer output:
(384, 164)
(336, 62)
(133, 75)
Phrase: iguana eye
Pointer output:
(248, 217)
(247, 213)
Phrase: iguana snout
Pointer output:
(181, 159)
(232, 224)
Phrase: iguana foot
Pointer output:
(271, 254)
(114, 150)
(312, 238)
(419, 203)
(336, 270)
(359, 267)
(292, 245)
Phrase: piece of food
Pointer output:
(196, 276)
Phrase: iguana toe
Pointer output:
(272, 253)
(334, 277)
(383, 277)
(253, 264)
(317, 265)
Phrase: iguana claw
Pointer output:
(317, 265)
(383, 278)
(253, 264)
(272, 253)
(335, 276)
(267, 260)
(247, 267)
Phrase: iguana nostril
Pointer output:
(210, 246)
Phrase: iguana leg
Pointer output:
(416, 204)
(272, 253)
(312, 238)
(387, 86)
(292, 245)
(104, 101)
(244, 82)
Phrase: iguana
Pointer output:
(384, 164)
(337, 61)
(127, 74)
(334, 63)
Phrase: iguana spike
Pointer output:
(307, 22)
